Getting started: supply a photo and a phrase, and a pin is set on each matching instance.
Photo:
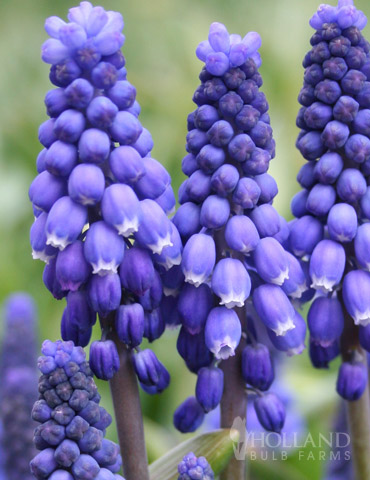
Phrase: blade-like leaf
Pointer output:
(216, 446)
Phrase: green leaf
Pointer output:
(216, 446)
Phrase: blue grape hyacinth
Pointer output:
(100, 199)
(18, 389)
(331, 232)
(234, 259)
(195, 468)
(72, 424)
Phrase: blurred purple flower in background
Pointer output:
(18, 390)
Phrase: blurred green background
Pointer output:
(161, 37)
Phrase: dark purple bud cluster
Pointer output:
(234, 256)
(18, 389)
(331, 233)
(72, 424)
(100, 200)
(194, 468)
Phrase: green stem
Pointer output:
(129, 418)
(234, 405)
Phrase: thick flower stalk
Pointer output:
(331, 232)
(72, 424)
(234, 259)
(101, 202)
(18, 389)
(195, 468)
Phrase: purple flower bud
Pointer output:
(218, 38)
(215, 212)
(320, 199)
(270, 412)
(144, 144)
(241, 234)
(189, 163)
(356, 288)
(246, 193)
(327, 91)
(208, 159)
(50, 280)
(60, 158)
(153, 296)
(38, 240)
(321, 356)
(353, 82)
(53, 51)
(295, 285)
(155, 228)
(147, 367)
(271, 261)
(107, 454)
(352, 380)
(125, 128)
(198, 187)
(85, 467)
(220, 133)
(342, 222)
(195, 141)
(67, 453)
(357, 148)
(154, 182)
(205, 116)
(335, 134)
(101, 112)
(305, 234)
(77, 427)
(194, 320)
(130, 324)
(193, 350)
(86, 184)
(43, 464)
(104, 360)
(46, 189)
(154, 324)
(94, 146)
(306, 175)
(136, 270)
(335, 68)
(257, 367)
(224, 180)
(209, 388)
(325, 321)
(217, 63)
(65, 222)
(198, 259)
(167, 200)
(268, 187)
(274, 308)
(327, 265)
(328, 168)
(247, 118)
(127, 164)
(104, 293)
(230, 104)
(311, 145)
(187, 220)
(103, 248)
(298, 203)
(222, 332)
(266, 220)
(78, 312)
(72, 270)
(79, 93)
(188, 416)
(258, 162)
(346, 109)
(69, 126)
(351, 185)
(122, 94)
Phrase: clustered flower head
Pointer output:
(72, 424)
(236, 278)
(195, 468)
(100, 200)
(332, 231)
(18, 389)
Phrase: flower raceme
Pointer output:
(331, 233)
(100, 200)
(72, 424)
(234, 258)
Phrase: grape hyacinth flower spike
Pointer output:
(100, 199)
(194, 468)
(331, 234)
(18, 385)
(234, 258)
(72, 427)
